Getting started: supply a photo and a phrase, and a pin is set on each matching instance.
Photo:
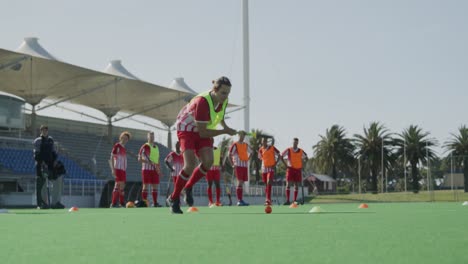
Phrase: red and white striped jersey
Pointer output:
(286, 157)
(176, 161)
(234, 156)
(119, 156)
(197, 110)
(144, 154)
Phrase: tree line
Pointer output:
(378, 152)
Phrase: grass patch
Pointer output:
(424, 196)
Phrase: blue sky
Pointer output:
(313, 63)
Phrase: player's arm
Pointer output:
(283, 156)
(37, 150)
(169, 166)
(54, 151)
(231, 154)
(210, 133)
(140, 156)
(277, 156)
(111, 163)
(305, 158)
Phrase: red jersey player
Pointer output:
(118, 163)
(148, 156)
(196, 126)
(175, 162)
(295, 158)
(270, 157)
(239, 155)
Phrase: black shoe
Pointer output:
(58, 205)
(43, 206)
(287, 203)
(188, 197)
(242, 203)
(114, 206)
(174, 206)
(156, 205)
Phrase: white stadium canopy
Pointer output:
(33, 74)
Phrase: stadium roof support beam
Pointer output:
(146, 109)
(86, 91)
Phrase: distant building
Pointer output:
(458, 180)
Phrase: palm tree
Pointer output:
(334, 152)
(458, 146)
(418, 150)
(255, 161)
(369, 146)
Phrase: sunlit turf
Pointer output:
(383, 233)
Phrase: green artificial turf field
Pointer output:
(383, 233)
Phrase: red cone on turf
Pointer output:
(363, 206)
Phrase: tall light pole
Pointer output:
(451, 170)
(246, 73)
(359, 173)
(245, 33)
(404, 161)
(382, 165)
(427, 164)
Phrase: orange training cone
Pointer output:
(363, 206)
(192, 209)
(293, 205)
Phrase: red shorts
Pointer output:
(149, 177)
(192, 140)
(120, 175)
(213, 175)
(293, 175)
(241, 174)
(268, 176)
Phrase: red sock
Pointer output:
(115, 195)
(239, 192)
(288, 194)
(218, 194)
(295, 194)
(154, 193)
(122, 198)
(197, 174)
(144, 195)
(179, 185)
(210, 194)
(269, 192)
(266, 192)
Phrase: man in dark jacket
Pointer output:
(45, 156)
